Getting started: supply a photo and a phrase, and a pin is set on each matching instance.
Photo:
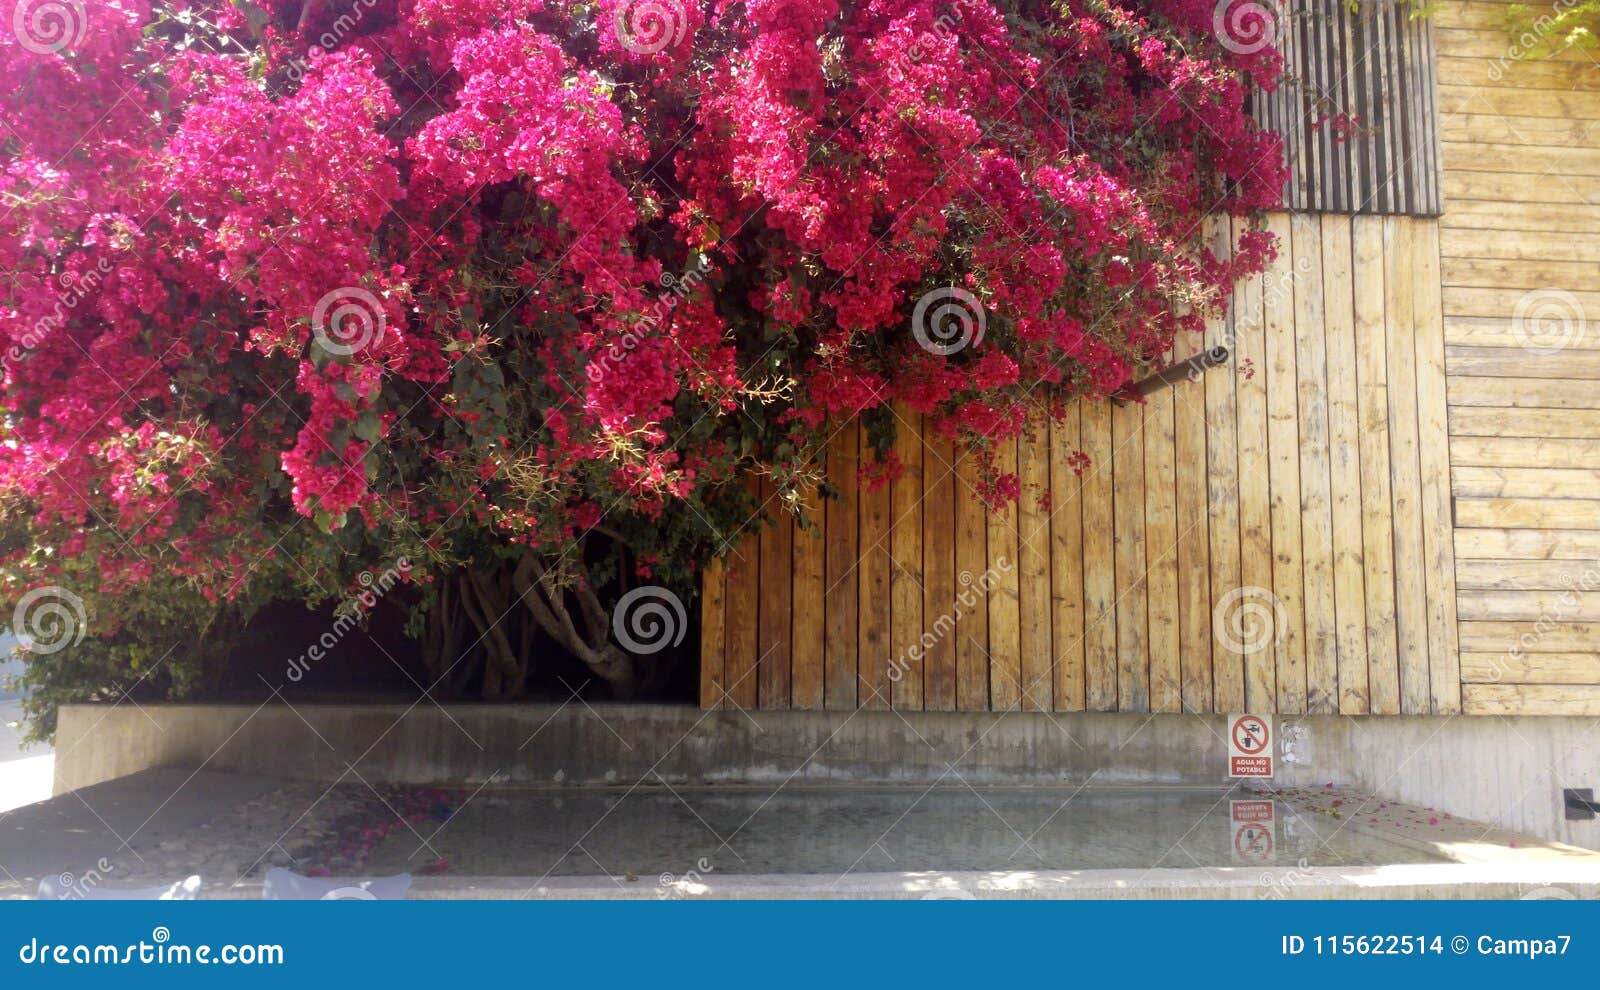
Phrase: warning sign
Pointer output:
(1255, 812)
(1249, 746)
(1254, 826)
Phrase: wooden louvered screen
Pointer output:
(1374, 67)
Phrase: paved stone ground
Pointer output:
(165, 824)
(839, 831)
(162, 825)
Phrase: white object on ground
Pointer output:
(285, 885)
(26, 775)
(25, 781)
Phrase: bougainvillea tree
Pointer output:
(518, 291)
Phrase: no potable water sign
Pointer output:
(1249, 746)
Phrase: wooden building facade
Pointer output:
(1388, 502)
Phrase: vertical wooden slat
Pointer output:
(1005, 621)
(1066, 563)
(1330, 69)
(1316, 518)
(1344, 433)
(1252, 562)
(872, 594)
(1364, 150)
(905, 583)
(1311, 62)
(1298, 112)
(713, 645)
(777, 604)
(1380, 130)
(1283, 451)
(1192, 560)
(1255, 495)
(1433, 173)
(1377, 524)
(1416, 147)
(1161, 548)
(939, 573)
(1424, 96)
(840, 599)
(1033, 568)
(1395, 107)
(1133, 616)
(743, 609)
(1099, 560)
(1343, 40)
(1318, 68)
(1400, 108)
(1411, 597)
(972, 559)
(810, 608)
(1318, 19)
(1225, 437)
(1439, 562)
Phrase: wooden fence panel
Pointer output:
(1233, 543)
(1519, 369)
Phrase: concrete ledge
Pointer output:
(1503, 771)
(582, 744)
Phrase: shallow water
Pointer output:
(651, 831)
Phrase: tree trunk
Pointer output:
(545, 597)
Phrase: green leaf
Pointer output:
(369, 427)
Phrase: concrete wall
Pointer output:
(1505, 771)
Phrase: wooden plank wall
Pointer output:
(1519, 246)
(1370, 64)
(1275, 536)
